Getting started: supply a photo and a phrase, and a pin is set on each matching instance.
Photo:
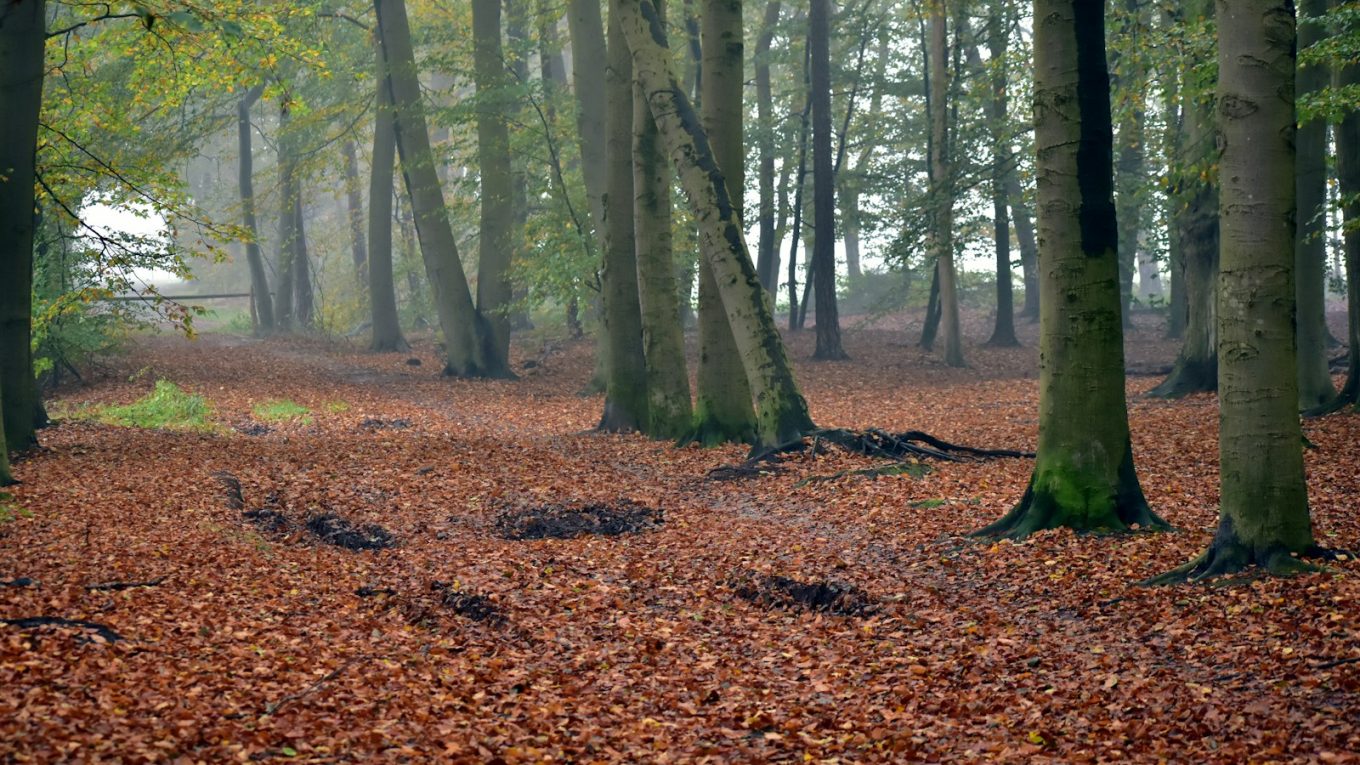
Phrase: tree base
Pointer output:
(1002, 340)
(709, 432)
(389, 345)
(1064, 498)
(1188, 376)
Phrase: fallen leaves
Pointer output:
(459, 644)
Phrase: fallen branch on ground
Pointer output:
(33, 622)
(125, 585)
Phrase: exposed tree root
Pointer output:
(709, 432)
(1227, 555)
(872, 442)
(33, 622)
(22, 581)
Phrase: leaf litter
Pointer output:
(460, 645)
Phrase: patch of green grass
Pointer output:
(336, 407)
(10, 511)
(282, 410)
(167, 406)
(929, 503)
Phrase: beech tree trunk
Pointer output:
(1174, 116)
(586, 27)
(245, 163)
(1348, 182)
(669, 413)
(1022, 217)
(1263, 500)
(767, 259)
(469, 351)
(1196, 214)
(287, 269)
(823, 185)
(382, 291)
(942, 187)
(1083, 474)
(723, 408)
(782, 413)
(1129, 165)
(625, 404)
(1310, 248)
(1003, 165)
(496, 241)
(354, 203)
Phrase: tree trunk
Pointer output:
(1348, 182)
(1129, 166)
(767, 260)
(823, 185)
(466, 335)
(669, 412)
(1310, 248)
(382, 292)
(1083, 474)
(782, 414)
(302, 264)
(6, 475)
(1196, 215)
(942, 187)
(1174, 115)
(795, 315)
(1003, 164)
(1263, 500)
(1022, 217)
(245, 162)
(354, 202)
(625, 404)
(723, 407)
(587, 75)
(496, 240)
(287, 269)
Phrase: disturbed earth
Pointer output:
(431, 569)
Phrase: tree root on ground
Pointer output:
(33, 622)
(1228, 557)
(871, 442)
(125, 585)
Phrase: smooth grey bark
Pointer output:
(1173, 115)
(1022, 217)
(767, 257)
(245, 164)
(22, 36)
(823, 185)
(669, 412)
(469, 352)
(1130, 165)
(723, 409)
(782, 413)
(586, 27)
(942, 187)
(1310, 247)
(1084, 475)
(1263, 498)
(382, 302)
(625, 403)
(497, 229)
(286, 268)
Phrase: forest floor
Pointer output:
(691, 619)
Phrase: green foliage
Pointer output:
(282, 410)
(167, 406)
(11, 511)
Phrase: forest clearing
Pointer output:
(672, 640)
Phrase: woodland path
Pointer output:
(647, 646)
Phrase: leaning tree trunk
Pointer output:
(767, 259)
(669, 413)
(496, 241)
(723, 409)
(245, 163)
(625, 402)
(942, 187)
(382, 291)
(1263, 499)
(1083, 474)
(1310, 247)
(823, 185)
(469, 352)
(782, 413)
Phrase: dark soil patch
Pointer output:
(478, 608)
(253, 429)
(370, 592)
(826, 596)
(335, 530)
(569, 522)
(269, 520)
(377, 423)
